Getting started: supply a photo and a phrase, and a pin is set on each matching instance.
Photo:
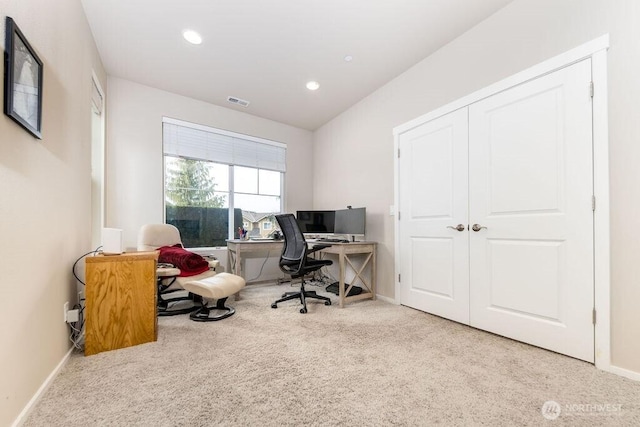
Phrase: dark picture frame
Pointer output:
(22, 81)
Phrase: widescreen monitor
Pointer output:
(316, 222)
(351, 221)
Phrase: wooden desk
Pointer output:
(120, 301)
(345, 252)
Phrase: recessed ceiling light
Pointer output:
(313, 85)
(348, 58)
(192, 37)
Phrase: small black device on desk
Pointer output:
(332, 240)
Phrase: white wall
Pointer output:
(522, 34)
(134, 189)
(46, 200)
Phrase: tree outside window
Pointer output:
(197, 199)
(190, 183)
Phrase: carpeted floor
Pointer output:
(369, 364)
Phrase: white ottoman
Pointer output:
(218, 287)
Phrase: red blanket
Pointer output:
(189, 263)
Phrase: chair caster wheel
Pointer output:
(274, 306)
(303, 310)
(327, 303)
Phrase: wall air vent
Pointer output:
(237, 101)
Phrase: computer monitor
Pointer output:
(316, 222)
(351, 221)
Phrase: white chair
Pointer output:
(172, 288)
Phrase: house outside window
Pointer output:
(217, 183)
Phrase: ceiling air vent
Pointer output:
(237, 101)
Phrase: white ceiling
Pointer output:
(265, 51)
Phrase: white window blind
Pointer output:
(193, 141)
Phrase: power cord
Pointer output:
(266, 258)
(73, 269)
(322, 278)
(76, 329)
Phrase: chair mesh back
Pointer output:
(295, 246)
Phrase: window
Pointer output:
(266, 225)
(218, 182)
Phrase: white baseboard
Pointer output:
(632, 375)
(45, 385)
(387, 299)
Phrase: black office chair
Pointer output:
(295, 261)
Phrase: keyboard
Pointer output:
(332, 240)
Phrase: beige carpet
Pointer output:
(369, 364)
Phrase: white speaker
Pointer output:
(112, 242)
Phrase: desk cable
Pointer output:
(261, 268)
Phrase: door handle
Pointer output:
(458, 227)
(477, 227)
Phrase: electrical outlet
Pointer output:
(73, 316)
(65, 308)
(80, 297)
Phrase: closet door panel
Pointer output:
(531, 187)
(433, 174)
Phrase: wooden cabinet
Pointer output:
(120, 301)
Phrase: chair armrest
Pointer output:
(318, 247)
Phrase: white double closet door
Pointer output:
(518, 166)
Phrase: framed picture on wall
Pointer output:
(22, 81)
